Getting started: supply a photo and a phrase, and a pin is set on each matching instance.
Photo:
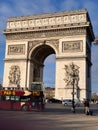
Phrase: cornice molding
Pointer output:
(70, 57)
(14, 59)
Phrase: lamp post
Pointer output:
(73, 76)
(73, 92)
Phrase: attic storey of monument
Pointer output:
(30, 39)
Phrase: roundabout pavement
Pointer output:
(54, 117)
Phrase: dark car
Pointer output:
(53, 100)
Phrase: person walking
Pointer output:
(86, 105)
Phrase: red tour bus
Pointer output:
(19, 99)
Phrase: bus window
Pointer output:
(7, 98)
(12, 98)
(17, 98)
(24, 98)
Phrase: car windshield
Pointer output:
(36, 87)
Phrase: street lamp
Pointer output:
(73, 93)
(74, 76)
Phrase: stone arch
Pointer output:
(67, 34)
(53, 45)
(37, 55)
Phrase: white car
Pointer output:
(68, 102)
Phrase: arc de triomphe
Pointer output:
(30, 39)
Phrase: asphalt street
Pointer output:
(54, 117)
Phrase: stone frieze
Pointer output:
(72, 46)
(16, 49)
(46, 34)
(39, 22)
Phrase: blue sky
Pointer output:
(10, 8)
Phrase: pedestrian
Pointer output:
(86, 105)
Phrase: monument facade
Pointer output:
(30, 39)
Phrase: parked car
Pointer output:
(53, 100)
(68, 102)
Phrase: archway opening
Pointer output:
(49, 71)
(42, 56)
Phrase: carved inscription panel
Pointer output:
(16, 49)
(68, 46)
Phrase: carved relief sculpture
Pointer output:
(72, 46)
(16, 49)
(14, 75)
(54, 42)
(19, 22)
(72, 71)
(29, 35)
